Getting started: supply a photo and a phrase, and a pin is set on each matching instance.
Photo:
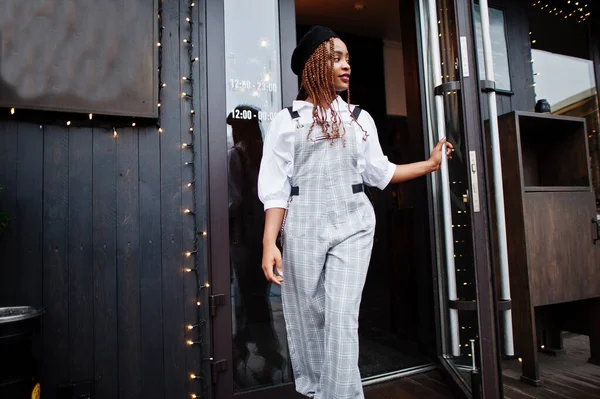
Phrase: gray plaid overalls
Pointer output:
(327, 241)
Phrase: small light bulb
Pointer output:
(164, 85)
(190, 327)
(191, 129)
(198, 303)
(115, 133)
(520, 360)
(184, 78)
(193, 4)
(158, 44)
(193, 396)
(187, 211)
(192, 376)
(158, 105)
(188, 270)
(12, 111)
(90, 115)
(160, 130)
(133, 124)
(195, 59)
(190, 342)
(189, 184)
(207, 285)
(204, 233)
(188, 254)
(188, 20)
(192, 112)
(68, 123)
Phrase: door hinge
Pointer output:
(214, 301)
(216, 367)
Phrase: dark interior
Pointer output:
(397, 329)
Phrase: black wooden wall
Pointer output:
(98, 240)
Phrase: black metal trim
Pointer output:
(217, 367)
(487, 86)
(447, 87)
(471, 306)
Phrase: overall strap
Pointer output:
(356, 112)
(293, 114)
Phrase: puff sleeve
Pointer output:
(377, 170)
(277, 164)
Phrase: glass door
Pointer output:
(466, 303)
(244, 91)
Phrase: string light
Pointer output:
(12, 111)
(187, 95)
(569, 10)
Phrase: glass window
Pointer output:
(253, 98)
(563, 73)
(499, 47)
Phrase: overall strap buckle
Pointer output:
(295, 117)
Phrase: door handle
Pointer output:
(596, 223)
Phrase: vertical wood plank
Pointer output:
(55, 253)
(81, 256)
(152, 354)
(128, 264)
(106, 370)
(28, 226)
(8, 204)
(176, 374)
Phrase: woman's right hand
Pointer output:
(272, 257)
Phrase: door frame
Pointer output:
(489, 353)
(211, 36)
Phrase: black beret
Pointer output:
(308, 44)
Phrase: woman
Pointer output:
(317, 156)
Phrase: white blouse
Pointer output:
(277, 165)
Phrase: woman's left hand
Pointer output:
(436, 154)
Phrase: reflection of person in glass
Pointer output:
(317, 156)
(246, 221)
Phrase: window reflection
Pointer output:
(499, 47)
(569, 86)
(253, 98)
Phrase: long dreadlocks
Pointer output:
(317, 83)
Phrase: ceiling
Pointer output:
(377, 18)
